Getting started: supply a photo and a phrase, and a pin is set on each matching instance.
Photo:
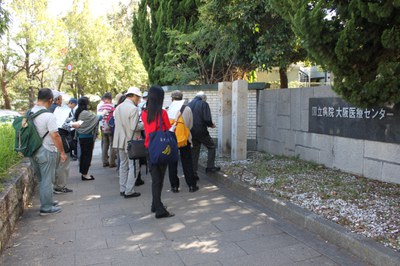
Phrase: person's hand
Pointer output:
(76, 125)
(213, 126)
(63, 157)
(105, 112)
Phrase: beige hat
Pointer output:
(134, 90)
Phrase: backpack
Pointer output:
(108, 123)
(111, 124)
(181, 131)
(27, 139)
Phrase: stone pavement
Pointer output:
(212, 227)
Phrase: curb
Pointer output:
(359, 245)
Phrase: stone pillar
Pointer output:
(224, 118)
(240, 91)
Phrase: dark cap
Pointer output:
(73, 100)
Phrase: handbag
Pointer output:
(67, 140)
(163, 147)
(136, 149)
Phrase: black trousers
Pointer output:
(157, 172)
(209, 143)
(87, 145)
(187, 166)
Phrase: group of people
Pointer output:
(130, 118)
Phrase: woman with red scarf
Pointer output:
(151, 117)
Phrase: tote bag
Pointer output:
(163, 147)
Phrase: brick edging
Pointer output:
(14, 198)
(361, 246)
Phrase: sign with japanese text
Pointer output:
(334, 116)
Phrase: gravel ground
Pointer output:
(364, 206)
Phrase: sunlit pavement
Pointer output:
(211, 227)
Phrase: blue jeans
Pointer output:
(44, 165)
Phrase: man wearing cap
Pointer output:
(127, 123)
(62, 170)
(73, 105)
(177, 106)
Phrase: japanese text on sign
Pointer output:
(334, 116)
(349, 112)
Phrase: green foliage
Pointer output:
(358, 40)
(8, 156)
(36, 52)
(149, 32)
(4, 19)
(101, 52)
(229, 41)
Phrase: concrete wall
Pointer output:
(282, 129)
(211, 91)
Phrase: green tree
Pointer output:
(4, 19)
(256, 36)
(27, 48)
(149, 30)
(7, 73)
(88, 50)
(231, 39)
(128, 68)
(101, 52)
(358, 40)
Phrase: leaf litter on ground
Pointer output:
(364, 206)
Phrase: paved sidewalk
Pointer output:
(211, 227)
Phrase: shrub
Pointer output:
(8, 156)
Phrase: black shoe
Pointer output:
(175, 189)
(139, 182)
(193, 189)
(153, 209)
(87, 179)
(213, 169)
(133, 195)
(122, 193)
(106, 164)
(62, 190)
(165, 215)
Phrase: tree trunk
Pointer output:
(7, 102)
(61, 80)
(283, 77)
(31, 96)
